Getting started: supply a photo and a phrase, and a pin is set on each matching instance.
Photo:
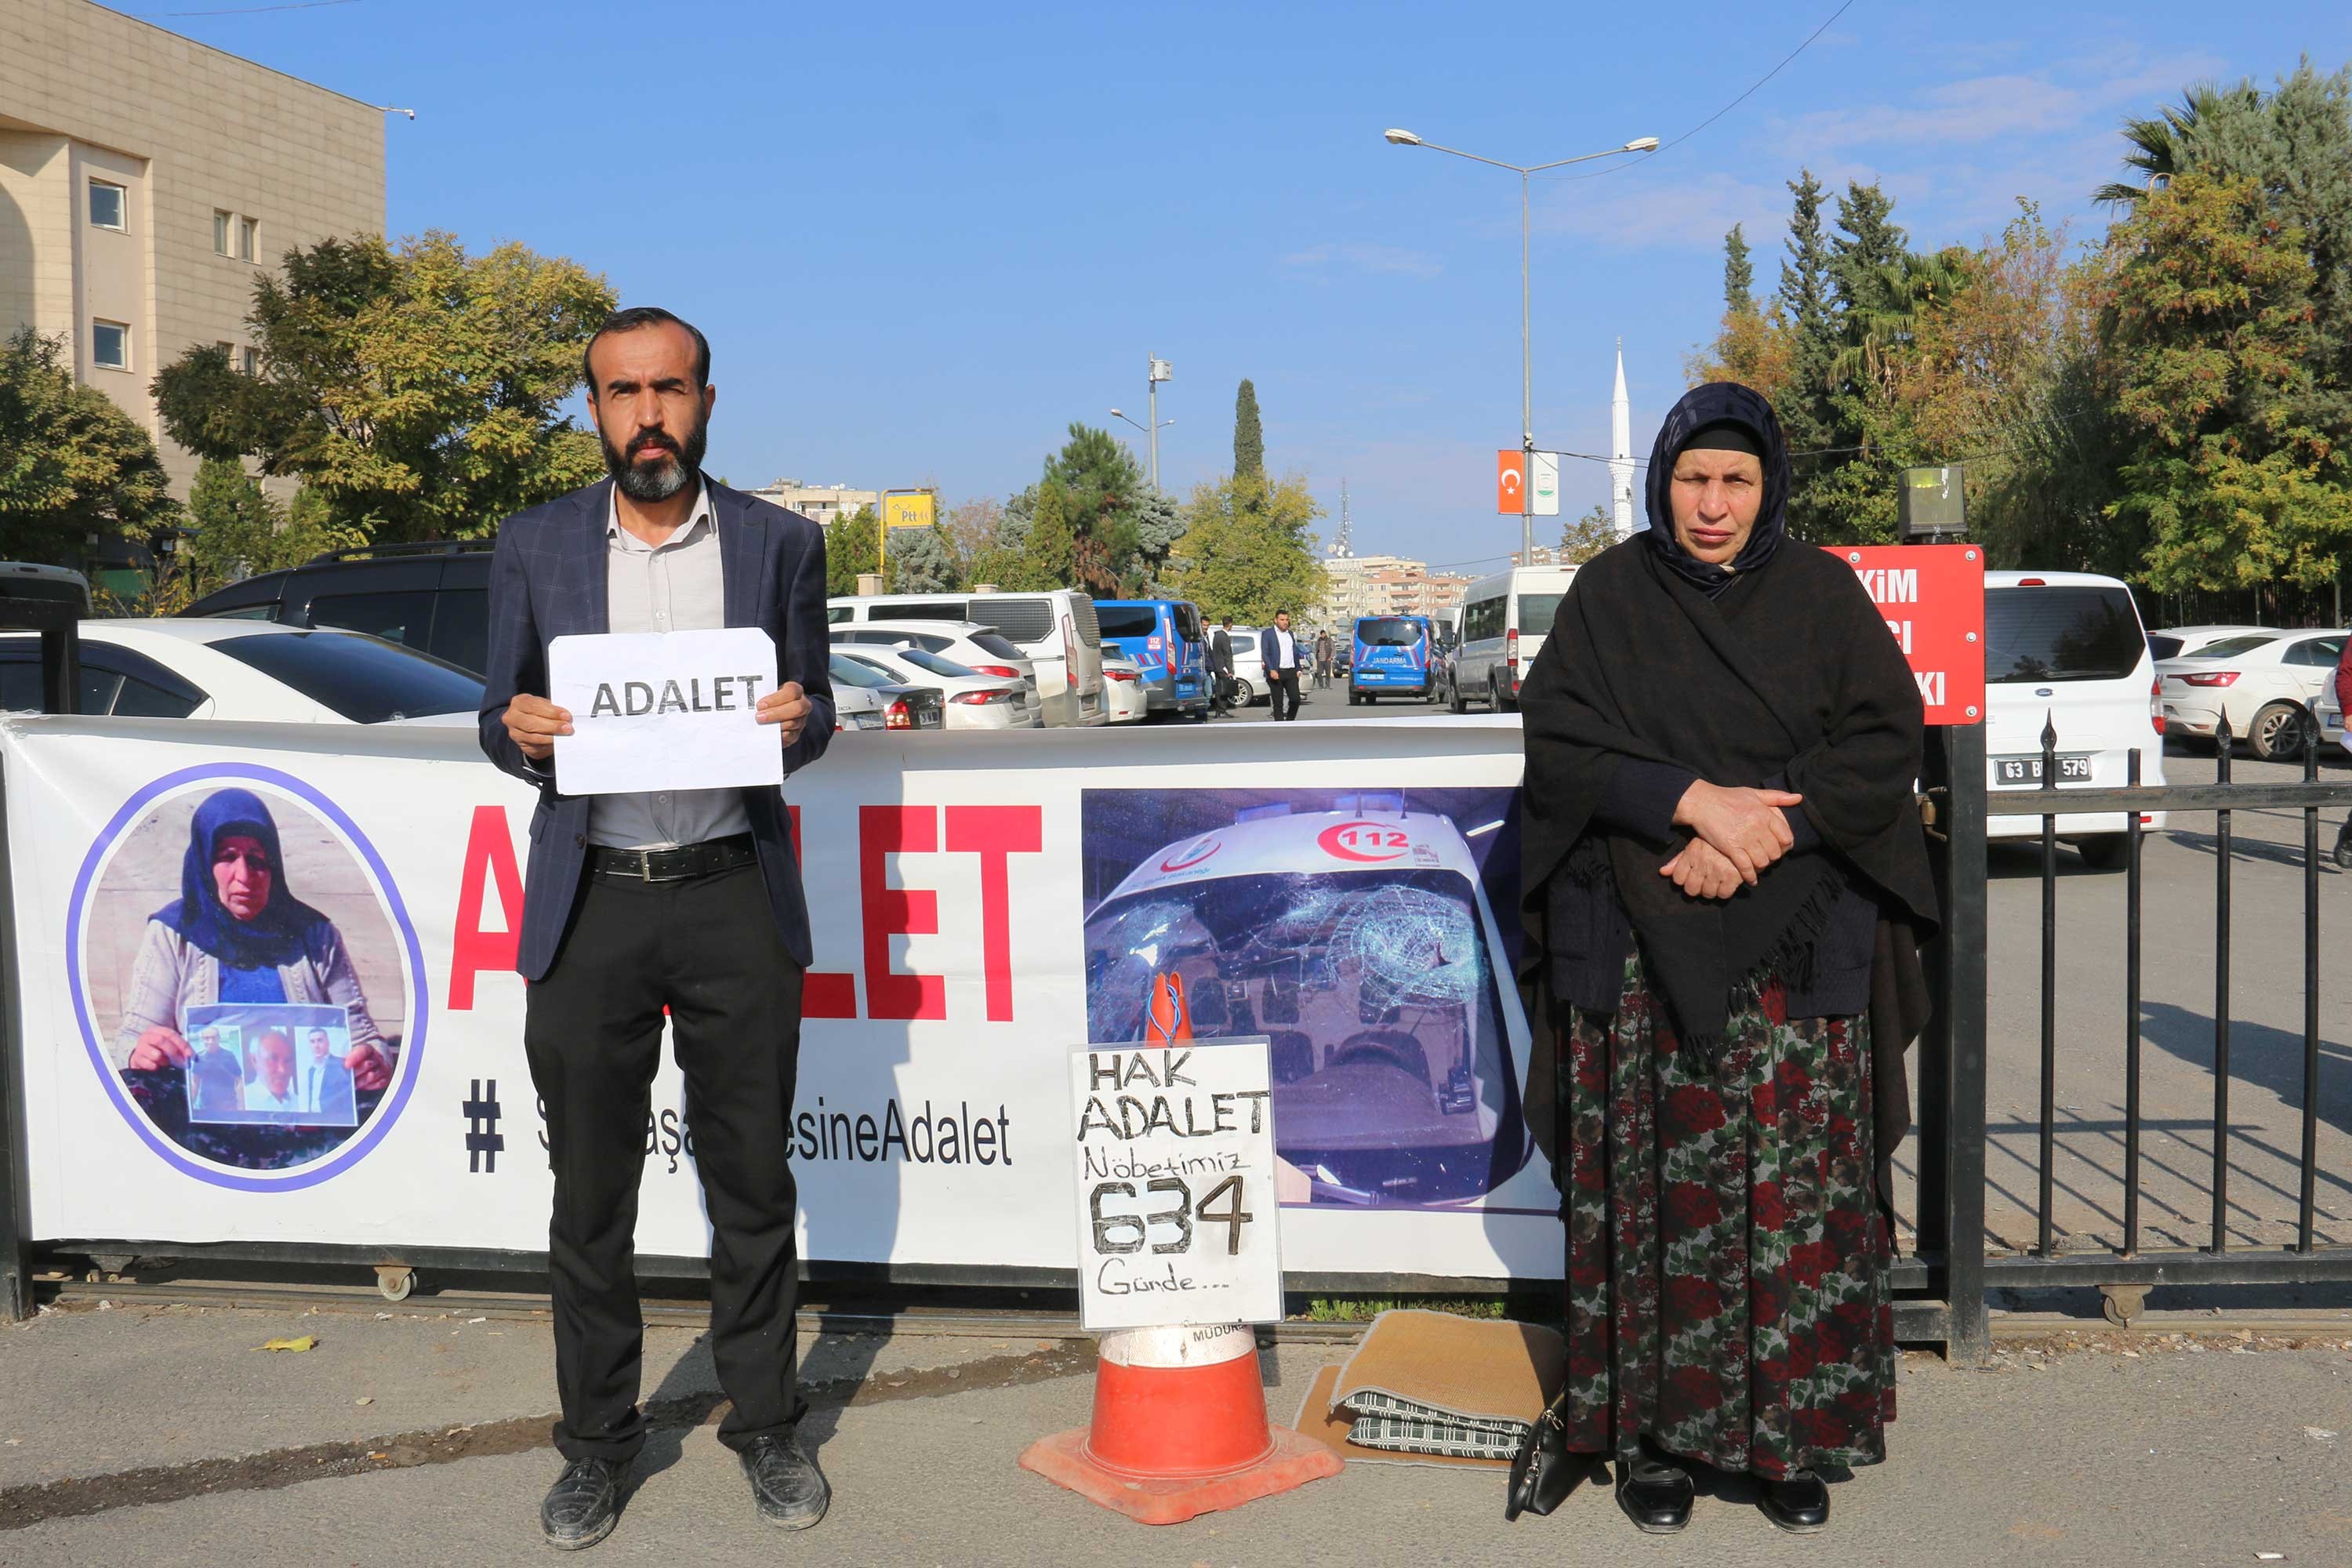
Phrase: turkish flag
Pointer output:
(1511, 482)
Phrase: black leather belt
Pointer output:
(712, 855)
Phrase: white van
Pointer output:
(1056, 630)
(2067, 649)
(1505, 619)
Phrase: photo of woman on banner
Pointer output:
(231, 988)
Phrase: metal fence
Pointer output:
(1948, 1278)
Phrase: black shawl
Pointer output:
(1778, 671)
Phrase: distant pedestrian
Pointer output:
(1280, 652)
(1221, 665)
(1322, 659)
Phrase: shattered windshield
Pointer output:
(1377, 991)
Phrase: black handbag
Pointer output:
(1543, 1472)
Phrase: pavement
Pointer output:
(163, 1435)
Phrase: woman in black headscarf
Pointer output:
(1723, 854)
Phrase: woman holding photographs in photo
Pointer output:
(237, 934)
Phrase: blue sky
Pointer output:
(923, 239)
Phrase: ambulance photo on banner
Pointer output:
(1369, 935)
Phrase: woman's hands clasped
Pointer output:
(1737, 835)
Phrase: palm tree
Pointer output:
(1902, 289)
(2164, 144)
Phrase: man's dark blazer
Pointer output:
(548, 579)
(1221, 651)
(1269, 650)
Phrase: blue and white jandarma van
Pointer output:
(1390, 659)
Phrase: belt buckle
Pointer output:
(643, 867)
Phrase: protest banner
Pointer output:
(1346, 892)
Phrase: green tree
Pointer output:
(1588, 536)
(72, 464)
(1101, 485)
(2212, 324)
(853, 547)
(1048, 556)
(417, 388)
(1739, 271)
(921, 561)
(1247, 550)
(1249, 438)
(1805, 305)
(236, 528)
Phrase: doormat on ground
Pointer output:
(1429, 1388)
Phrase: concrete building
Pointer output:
(1385, 585)
(821, 504)
(146, 180)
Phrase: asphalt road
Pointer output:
(2178, 1007)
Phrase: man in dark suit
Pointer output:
(685, 899)
(1279, 649)
(326, 1084)
(1221, 664)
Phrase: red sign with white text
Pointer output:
(1932, 597)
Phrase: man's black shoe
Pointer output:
(1656, 1495)
(583, 1505)
(785, 1482)
(1800, 1504)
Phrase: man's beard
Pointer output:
(656, 481)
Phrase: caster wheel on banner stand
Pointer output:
(394, 1281)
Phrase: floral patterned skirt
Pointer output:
(1726, 1263)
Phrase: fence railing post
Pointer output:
(1962, 1034)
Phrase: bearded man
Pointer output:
(688, 901)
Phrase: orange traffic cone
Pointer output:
(1179, 1426)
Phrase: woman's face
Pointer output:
(242, 875)
(1717, 496)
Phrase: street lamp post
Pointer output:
(1158, 372)
(1526, 342)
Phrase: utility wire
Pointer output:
(1753, 89)
(243, 10)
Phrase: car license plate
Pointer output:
(928, 718)
(2028, 770)
(866, 721)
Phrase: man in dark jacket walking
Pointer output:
(1221, 665)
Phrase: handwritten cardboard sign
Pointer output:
(663, 710)
(1177, 1219)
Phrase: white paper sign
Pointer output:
(663, 710)
(1177, 1219)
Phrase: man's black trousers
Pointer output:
(707, 948)
(1281, 687)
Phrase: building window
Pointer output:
(107, 205)
(109, 345)
(228, 351)
(250, 362)
(221, 222)
(248, 238)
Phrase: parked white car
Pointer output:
(2262, 681)
(2066, 650)
(1058, 630)
(1249, 666)
(866, 698)
(2179, 642)
(250, 670)
(1123, 684)
(982, 649)
(973, 701)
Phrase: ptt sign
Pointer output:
(1932, 597)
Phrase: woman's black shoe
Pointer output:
(1655, 1496)
(1800, 1504)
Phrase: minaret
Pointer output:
(1621, 450)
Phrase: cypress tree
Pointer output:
(1805, 289)
(1738, 273)
(1249, 440)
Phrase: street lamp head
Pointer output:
(1403, 138)
(1642, 144)
(1117, 414)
